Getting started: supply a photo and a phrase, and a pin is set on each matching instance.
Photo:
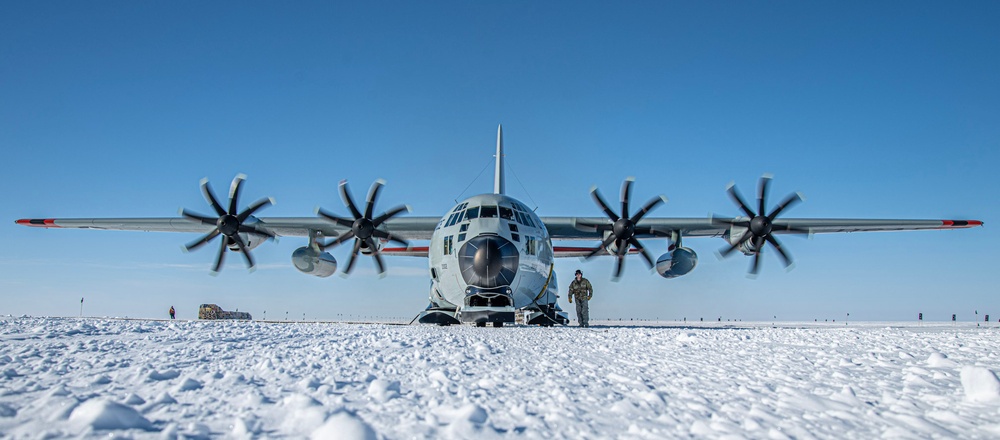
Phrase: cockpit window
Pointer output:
(527, 219)
(488, 211)
(520, 218)
(506, 213)
(472, 213)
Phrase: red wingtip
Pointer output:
(954, 224)
(37, 223)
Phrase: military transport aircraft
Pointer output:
(490, 256)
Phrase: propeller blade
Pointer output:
(765, 181)
(200, 218)
(642, 251)
(619, 267)
(344, 194)
(785, 258)
(338, 220)
(798, 231)
(377, 256)
(373, 196)
(347, 236)
(738, 199)
(390, 214)
(787, 202)
(254, 230)
(206, 190)
(254, 208)
(596, 195)
(353, 257)
(756, 264)
(244, 251)
(626, 195)
(604, 245)
(387, 236)
(652, 203)
(220, 257)
(201, 241)
(743, 238)
(234, 193)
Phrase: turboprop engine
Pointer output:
(249, 240)
(311, 261)
(677, 262)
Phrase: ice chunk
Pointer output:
(166, 375)
(188, 384)
(381, 390)
(938, 360)
(105, 414)
(344, 426)
(981, 384)
(133, 400)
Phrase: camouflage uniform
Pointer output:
(582, 291)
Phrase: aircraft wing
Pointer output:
(560, 228)
(408, 228)
(593, 228)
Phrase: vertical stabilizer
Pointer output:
(498, 179)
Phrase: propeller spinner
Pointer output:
(364, 228)
(759, 225)
(623, 227)
(228, 223)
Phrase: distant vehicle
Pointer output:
(212, 311)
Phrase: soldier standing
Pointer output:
(583, 291)
(172, 312)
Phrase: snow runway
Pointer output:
(67, 377)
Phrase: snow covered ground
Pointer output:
(154, 379)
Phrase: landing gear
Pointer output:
(480, 324)
(498, 324)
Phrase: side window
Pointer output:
(472, 213)
(461, 237)
(463, 228)
(488, 211)
(449, 244)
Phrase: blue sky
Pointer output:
(871, 110)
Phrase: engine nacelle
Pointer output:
(677, 262)
(747, 248)
(312, 262)
(365, 250)
(249, 240)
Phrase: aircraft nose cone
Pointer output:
(488, 261)
(485, 259)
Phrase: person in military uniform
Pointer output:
(581, 289)
(172, 312)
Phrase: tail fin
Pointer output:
(498, 177)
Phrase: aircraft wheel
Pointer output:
(480, 324)
(498, 324)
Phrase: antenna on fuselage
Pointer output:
(498, 178)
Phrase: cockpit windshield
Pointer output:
(472, 213)
(488, 211)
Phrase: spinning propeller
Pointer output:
(364, 228)
(623, 228)
(228, 223)
(759, 226)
